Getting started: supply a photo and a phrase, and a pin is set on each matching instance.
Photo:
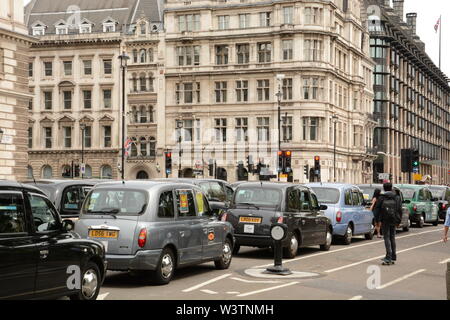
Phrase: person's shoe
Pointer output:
(387, 262)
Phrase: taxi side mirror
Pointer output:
(323, 207)
(406, 201)
(68, 225)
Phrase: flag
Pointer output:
(437, 25)
(127, 146)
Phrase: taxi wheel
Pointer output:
(421, 222)
(406, 228)
(369, 236)
(225, 259)
(435, 223)
(290, 252)
(165, 268)
(90, 283)
(329, 240)
(348, 236)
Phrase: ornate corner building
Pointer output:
(412, 96)
(75, 77)
(14, 93)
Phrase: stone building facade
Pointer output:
(14, 93)
(222, 67)
(75, 75)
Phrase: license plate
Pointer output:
(249, 228)
(250, 220)
(104, 234)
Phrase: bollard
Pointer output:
(448, 280)
(278, 232)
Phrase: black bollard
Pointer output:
(448, 280)
(278, 232)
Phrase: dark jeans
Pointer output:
(389, 241)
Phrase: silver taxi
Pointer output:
(156, 226)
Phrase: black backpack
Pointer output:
(389, 210)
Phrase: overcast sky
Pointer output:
(428, 13)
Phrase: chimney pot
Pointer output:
(399, 7)
(411, 20)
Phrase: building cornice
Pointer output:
(15, 36)
(16, 94)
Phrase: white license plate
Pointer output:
(249, 228)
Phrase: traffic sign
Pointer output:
(383, 176)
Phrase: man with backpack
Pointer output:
(389, 208)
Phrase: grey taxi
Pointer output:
(155, 226)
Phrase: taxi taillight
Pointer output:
(142, 239)
(339, 216)
(280, 220)
(224, 217)
(414, 208)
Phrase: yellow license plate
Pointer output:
(103, 234)
(250, 220)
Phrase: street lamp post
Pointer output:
(123, 64)
(334, 119)
(279, 95)
(180, 125)
(83, 128)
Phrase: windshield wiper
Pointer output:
(248, 204)
(108, 211)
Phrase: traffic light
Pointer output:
(211, 167)
(317, 163)
(168, 158)
(415, 161)
(287, 162)
(406, 160)
(306, 170)
(250, 164)
(280, 161)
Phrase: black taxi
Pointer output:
(39, 255)
(258, 205)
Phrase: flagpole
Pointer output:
(440, 40)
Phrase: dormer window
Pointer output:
(62, 28)
(109, 25)
(39, 29)
(86, 27)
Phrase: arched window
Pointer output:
(143, 113)
(150, 80)
(106, 172)
(135, 117)
(135, 56)
(66, 171)
(143, 82)
(143, 143)
(142, 175)
(30, 172)
(134, 151)
(151, 118)
(150, 55)
(88, 171)
(143, 56)
(47, 172)
(135, 82)
(152, 147)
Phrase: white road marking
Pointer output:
(102, 296)
(233, 292)
(256, 281)
(444, 261)
(356, 298)
(267, 289)
(208, 291)
(206, 283)
(379, 257)
(344, 249)
(400, 279)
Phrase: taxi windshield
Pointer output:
(115, 202)
(408, 193)
(327, 195)
(258, 197)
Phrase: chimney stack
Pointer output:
(398, 7)
(411, 21)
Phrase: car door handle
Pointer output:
(181, 233)
(43, 254)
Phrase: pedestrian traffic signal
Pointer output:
(168, 160)
(280, 161)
